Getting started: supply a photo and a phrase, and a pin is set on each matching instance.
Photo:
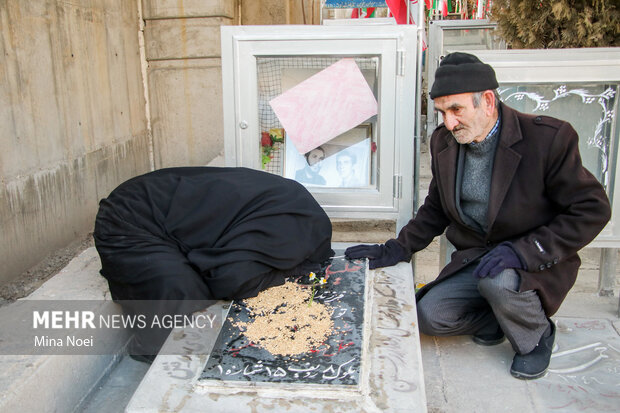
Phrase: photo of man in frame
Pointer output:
(309, 174)
(343, 162)
(345, 165)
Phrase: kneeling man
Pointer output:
(514, 199)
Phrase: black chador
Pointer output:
(202, 233)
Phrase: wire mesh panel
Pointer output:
(275, 75)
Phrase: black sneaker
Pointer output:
(535, 363)
(489, 339)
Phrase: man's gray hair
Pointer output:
(477, 96)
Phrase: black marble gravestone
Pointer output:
(337, 361)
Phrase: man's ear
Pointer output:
(488, 97)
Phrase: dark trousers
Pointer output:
(464, 304)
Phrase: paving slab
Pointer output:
(464, 377)
(391, 376)
(584, 374)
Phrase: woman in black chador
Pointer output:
(181, 235)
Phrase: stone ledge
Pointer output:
(59, 383)
(366, 230)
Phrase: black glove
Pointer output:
(497, 260)
(380, 255)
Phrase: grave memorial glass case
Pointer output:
(332, 107)
(576, 85)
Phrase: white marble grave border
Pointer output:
(391, 378)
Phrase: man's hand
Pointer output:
(497, 260)
(379, 255)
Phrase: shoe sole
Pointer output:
(143, 359)
(482, 342)
(524, 376)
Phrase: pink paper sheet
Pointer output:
(325, 105)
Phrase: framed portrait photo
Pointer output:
(342, 162)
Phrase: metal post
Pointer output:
(418, 114)
(418, 102)
(607, 271)
(445, 251)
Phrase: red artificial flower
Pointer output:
(265, 139)
(373, 147)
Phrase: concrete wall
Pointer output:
(182, 42)
(267, 12)
(72, 120)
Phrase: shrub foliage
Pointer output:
(541, 24)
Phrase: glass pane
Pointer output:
(590, 108)
(346, 161)
(471, 39)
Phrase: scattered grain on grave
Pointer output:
(282, 322)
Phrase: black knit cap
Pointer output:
(461, 73)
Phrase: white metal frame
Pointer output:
(395, 46)
(436, 31)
